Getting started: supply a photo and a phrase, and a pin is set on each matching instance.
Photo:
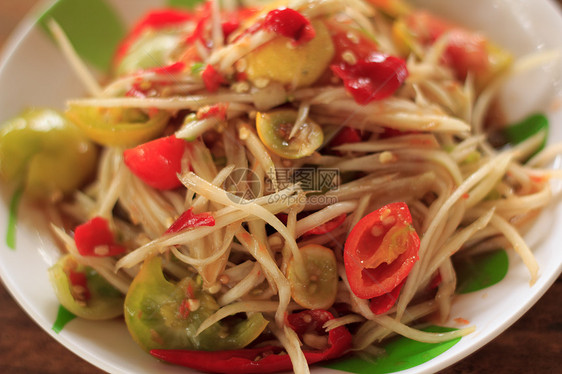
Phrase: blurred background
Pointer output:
(531, 345)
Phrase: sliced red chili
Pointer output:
(94, 238)
(212, 78)
(172, 69)
(218, 111)
(240, 361)
(289, 23)
(199, 31)
(375, 77)
(189, 220)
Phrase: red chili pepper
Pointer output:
(156, 19)
(199, 31)
(172, 69)
(373, 78)
(212, 78)
(188, 220)
(289, 23)
(217, 110)
(382, 304)
(380, 251)
(268, 359)
(157, 162)
(329, 226)
(77, 278)
(96, 234)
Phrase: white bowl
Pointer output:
(34, 73)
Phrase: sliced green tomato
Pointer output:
(46, 153)
(104, 301)
(121, 127)
(163, 315)
(153, 49)
(320, 289)
(274, 129)
(297, 66)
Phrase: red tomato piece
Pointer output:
(188, 220)
(93, 235)
(157, 162)
(349, 39)
(466, 52)
(376, 77)
(289, 23)
(380, 251)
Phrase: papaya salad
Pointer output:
(260, 187)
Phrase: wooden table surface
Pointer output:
(531, 345)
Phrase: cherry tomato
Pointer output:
(163, 315)
(380, 251)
